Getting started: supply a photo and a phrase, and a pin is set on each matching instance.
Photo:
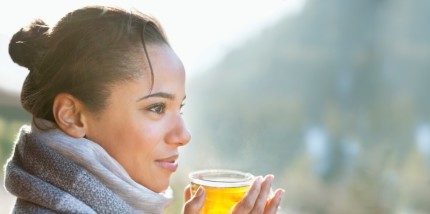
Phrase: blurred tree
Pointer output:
(356, 70)
(11, 114)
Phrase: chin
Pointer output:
(159, 186)
(158, 183)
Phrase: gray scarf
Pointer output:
(53, 172)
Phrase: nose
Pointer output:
(178, 134)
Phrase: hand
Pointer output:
(258, 199)
(194, 204)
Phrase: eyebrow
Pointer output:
(159, 94)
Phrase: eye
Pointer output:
(158, 108)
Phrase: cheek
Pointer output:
(145, 135)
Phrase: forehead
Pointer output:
(168, 71)
(169, 77)
(165, 64)
(163, 58)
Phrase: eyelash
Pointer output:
(180, 108)
(159, 108)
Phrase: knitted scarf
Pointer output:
(50, 171)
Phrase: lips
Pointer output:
(168, 163)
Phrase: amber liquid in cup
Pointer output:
(224, 188)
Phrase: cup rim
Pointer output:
(241, 178)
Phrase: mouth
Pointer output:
(170, 163)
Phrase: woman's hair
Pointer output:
(84, 54)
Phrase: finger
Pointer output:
(272, 205)
(247, 203)
(195, 204)
(187, 193)
(263, 197)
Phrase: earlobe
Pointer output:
(67, 112)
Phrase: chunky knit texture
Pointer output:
(50, 172)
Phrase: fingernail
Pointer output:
(257, 179)
(199, 191)
(280, 194)
(270, 179)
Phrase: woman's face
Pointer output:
(143, 129)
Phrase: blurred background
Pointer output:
(329, 96)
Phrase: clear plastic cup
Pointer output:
(224, 188)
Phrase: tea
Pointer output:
(224, 188)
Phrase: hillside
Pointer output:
(334, 97)
(8, 98)
(10, 105)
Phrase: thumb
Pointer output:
(187, 193)
(195, 204)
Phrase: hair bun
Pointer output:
(28, 44)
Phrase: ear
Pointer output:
(68, 114)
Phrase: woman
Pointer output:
(105, 90)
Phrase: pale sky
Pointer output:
(199, 31)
